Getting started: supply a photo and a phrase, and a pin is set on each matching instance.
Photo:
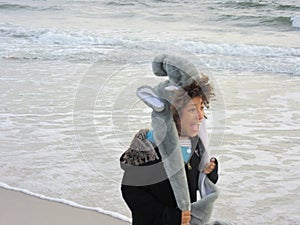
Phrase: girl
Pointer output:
(149, 194)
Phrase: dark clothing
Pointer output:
(155, 203)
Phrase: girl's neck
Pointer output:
(183, 138)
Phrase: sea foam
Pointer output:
(295, 21)
(90, 45)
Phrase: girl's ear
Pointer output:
(150, 98)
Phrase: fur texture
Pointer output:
(140, 150)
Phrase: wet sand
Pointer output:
(19, 208)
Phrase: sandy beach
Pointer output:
(19, 208)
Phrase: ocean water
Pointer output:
(69, 70)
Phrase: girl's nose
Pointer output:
(200, 114)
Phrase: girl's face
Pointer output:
(191, 116)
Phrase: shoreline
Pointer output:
(20, 208)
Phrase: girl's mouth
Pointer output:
(195, 127)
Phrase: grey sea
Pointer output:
(69, 70)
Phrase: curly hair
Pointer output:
(198, 88)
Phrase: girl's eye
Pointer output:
(192, 109)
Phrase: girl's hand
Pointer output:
(210, 166)
(185, 217)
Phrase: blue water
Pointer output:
(69, 70)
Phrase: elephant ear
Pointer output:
(149, 97)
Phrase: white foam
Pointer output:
(56, 44)
(67, 202)
(239, 49)
(295, 21)
(125, 39)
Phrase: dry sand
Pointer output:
(17, 208)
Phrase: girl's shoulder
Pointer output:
(141, 150)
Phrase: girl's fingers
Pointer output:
(209, 168)
(185, 217)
